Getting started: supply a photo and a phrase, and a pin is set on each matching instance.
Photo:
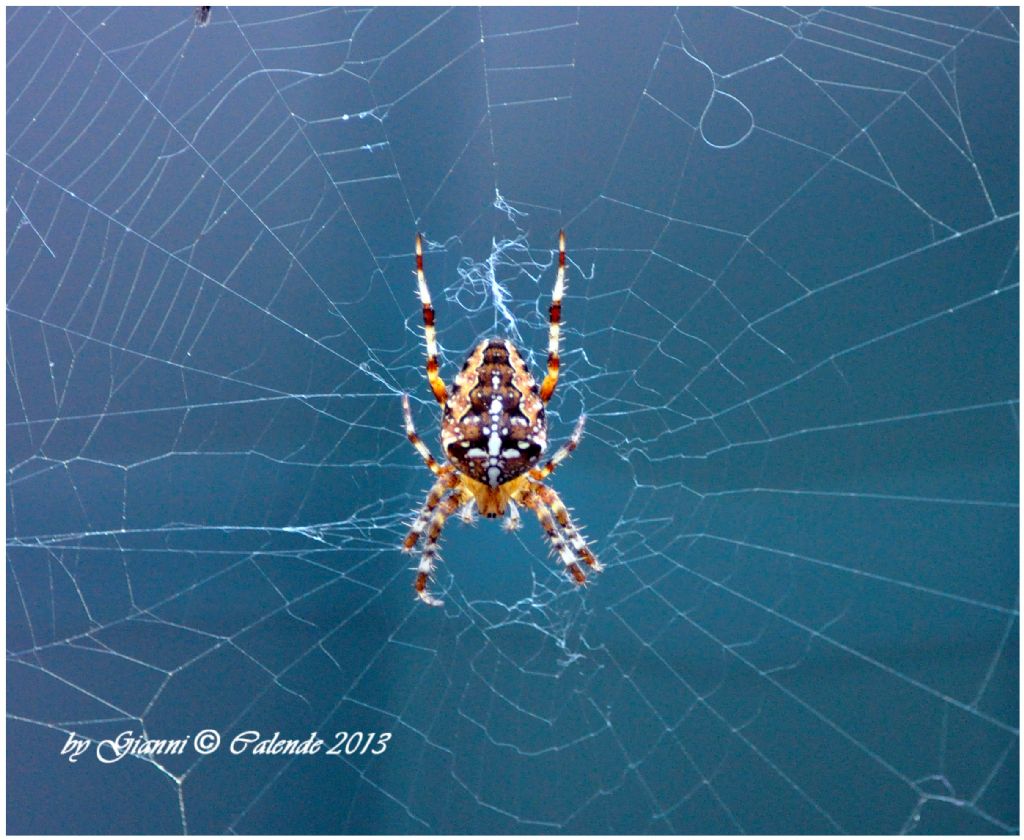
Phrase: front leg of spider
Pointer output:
(494, 435)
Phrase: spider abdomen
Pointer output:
(494, 428)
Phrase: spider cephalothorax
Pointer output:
(494, 432)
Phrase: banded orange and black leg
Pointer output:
(564, 451)
(429, 330)
(428, 559)
(547, 388)
(442, 486)
(416, 441)
(572, 533)
(532, 499)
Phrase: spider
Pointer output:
(494, 432)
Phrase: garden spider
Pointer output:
(494, 431)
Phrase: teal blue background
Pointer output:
(791, 320)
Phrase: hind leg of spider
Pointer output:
(441, 487)
(421, 447)
(572, 533)
(547, 388)
(531, 499)
(429, 557)
(429, 332)
(540, 473)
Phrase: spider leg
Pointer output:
(540, 473)
(421, 447)
(426, 567)
(430, 334)
(555, 314)
(553, 501)
(441, 487)
(513, 522)
(531, 499)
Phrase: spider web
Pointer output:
(792, 322)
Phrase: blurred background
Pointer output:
(791, 321)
